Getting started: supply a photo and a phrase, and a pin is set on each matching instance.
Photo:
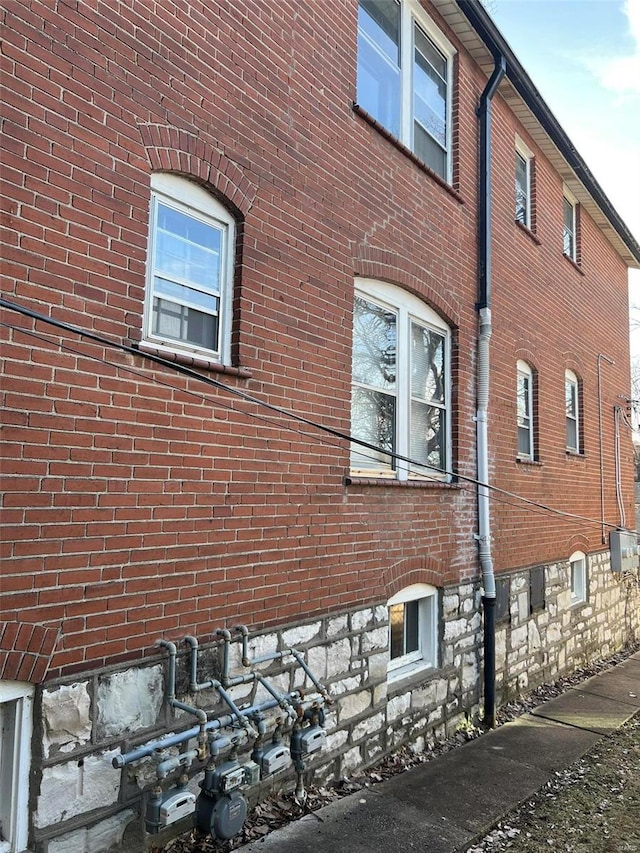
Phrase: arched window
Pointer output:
(578, 570)
(572, 405)
(525, 411)
(413, 629)
(189, 269)
(401, 384)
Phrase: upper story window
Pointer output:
(571, 389)
(405, 78)
(400, 393)
(189, 269)
(525, 411)
(413, 629)
(524, 161)
(569, 226)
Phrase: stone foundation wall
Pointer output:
(81, 804)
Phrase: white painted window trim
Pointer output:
(411, 11)
(408, 307)
(427, 655)
(578, 577)
(570, 378)
(18, 780)
(527, 155)
(524, 370)
(568, 196)
(188, 197)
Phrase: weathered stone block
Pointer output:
(337, 625)
(378, 638)
(101, 837)
(368, 726)
(398, 706)
(300, 635)
(65, 712)
(128, 701)
(77, 787)
(351, 706)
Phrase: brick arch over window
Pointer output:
(170, 149)
(412, 570)
(26, 651)
(384, 265)
(577, 542)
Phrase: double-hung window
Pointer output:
(16, 701)
(189, 269)
(524, 394)
(413, 629)
(405, 78)
(523, 163)
(400, 392)
(569, 227)
(571, 392)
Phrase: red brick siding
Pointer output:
(139, 502)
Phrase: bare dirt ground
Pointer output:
(591, 807)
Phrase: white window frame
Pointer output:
(407, 308)
(189, 198)
(426, 657)
(578, 577)
(525, 372)
(412, 12)
(16, 725)
(571, 381)
(521, 150)
(569, 198)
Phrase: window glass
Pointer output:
(578, 572)
(569, 228)
(379, 61)
(524, 409)
(571, 406)
(404, 70)
(522, 189)
(400, 385)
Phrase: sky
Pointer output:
(584, 58)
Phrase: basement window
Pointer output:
(16, 701)
(578, 569)
(413, 638)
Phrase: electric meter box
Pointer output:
(176, 805)
(624, 550)
(275, 758)
(313, 739)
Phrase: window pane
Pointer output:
(180, 323)
(396, 628)
(374, 345)
(570, 396)
(412, 643)
(568, 232)
(524, 441)
(523, 398)
(522, 189)
(427, 428)
(379, 61)
(187, 249)
(572, 434)
(430, 88)
(373, 417)
(427, 364)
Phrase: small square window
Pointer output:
(412, 629)
(578, 570)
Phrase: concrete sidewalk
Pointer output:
(443, 806)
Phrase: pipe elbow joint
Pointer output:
(167, 644)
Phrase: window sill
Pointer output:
(526, 230)
(574, 264)
(407, 152)
(574, 454)
(534, 462)
(191, 360)
(576, 605)
(398, 679)
(398, 484)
